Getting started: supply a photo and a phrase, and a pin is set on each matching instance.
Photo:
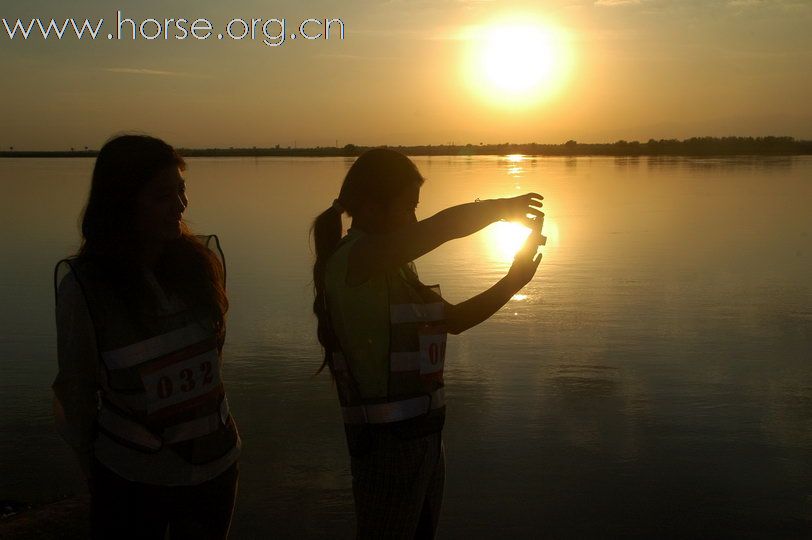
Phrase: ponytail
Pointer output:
(326, 234)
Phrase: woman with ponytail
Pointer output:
(384, 332)
(140, 319)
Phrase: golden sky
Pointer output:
(415, 72)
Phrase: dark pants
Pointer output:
(123, 509)
(398, 487)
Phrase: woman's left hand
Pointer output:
(526, 261)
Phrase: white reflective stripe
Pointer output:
(395, 411)
(193, 428)
(408, 313)
(438, 398)
(398, 361)
(188, 427)
(404, 361)
(339, 363)
(126, 429)
(155, 347)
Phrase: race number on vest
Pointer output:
(432, 351)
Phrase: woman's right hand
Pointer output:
(525, 209)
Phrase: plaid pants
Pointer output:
(398, 486)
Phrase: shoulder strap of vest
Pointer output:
(411, 277)
(61, 270)
(67, 267)
(347, 239)
(70, 266)
(212, 242)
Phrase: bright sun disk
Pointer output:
(517, 64)
(505, 238)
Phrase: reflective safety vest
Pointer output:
(392, 337)
(159, 388)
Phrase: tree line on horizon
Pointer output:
(694, 146)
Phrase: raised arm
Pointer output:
(462, 316)
(376, 253)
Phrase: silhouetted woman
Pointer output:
(384, 332)
(140, 330)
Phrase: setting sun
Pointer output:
(518, 64)
(505, 238)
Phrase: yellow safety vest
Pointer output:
(392, 337)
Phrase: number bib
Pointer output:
(173, 381)
(432, 351)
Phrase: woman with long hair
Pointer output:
(140, 330)
(384, 332)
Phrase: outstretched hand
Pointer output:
(527, 260)
(525, 209)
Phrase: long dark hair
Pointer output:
(375, 178)
(110, 241)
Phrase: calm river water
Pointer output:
(654, 379)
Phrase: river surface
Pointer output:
(654, 379)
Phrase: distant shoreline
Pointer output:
(695, 146)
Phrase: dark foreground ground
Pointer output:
(66, 519)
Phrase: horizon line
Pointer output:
(733, 143)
